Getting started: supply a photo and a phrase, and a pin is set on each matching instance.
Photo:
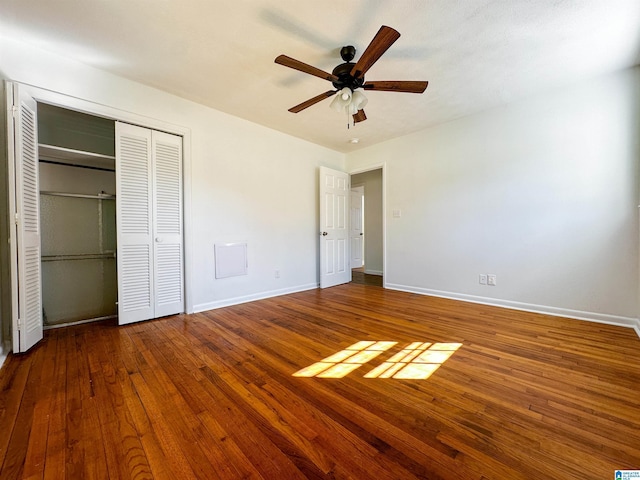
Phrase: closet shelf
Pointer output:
(77, 158)
(80, 256)
(100, 196)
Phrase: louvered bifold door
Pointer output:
(27, 213)
(167, 223)
(134, 223)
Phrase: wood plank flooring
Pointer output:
(213, 396)
(358, 276)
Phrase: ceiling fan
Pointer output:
(348, 77)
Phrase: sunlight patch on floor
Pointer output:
(345, 361)
(417, 361)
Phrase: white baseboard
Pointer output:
(373, 272)
(250, 298)
(620, 321)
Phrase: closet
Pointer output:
(77, 216)
(98, 210)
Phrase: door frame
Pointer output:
(383, 167)
(85, 106)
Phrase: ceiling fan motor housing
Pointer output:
(343, 71)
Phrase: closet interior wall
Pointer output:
(77, 216)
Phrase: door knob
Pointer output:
(361, 233)
(324, 234)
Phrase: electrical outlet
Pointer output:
(482, 279)
(491, 280)
(277, 273)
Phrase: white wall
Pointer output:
(542, 192)
(247, 183)
(373, 219)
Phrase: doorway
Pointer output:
(154, 183)
(77, 186)
(371, 272)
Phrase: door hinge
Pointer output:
(14, 111)
(16, 218)
(19, 324)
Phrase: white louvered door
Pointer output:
(149, 216)
(167, 223)
(25, 206)
(134, 223)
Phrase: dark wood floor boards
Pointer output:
(211, 395)
(284, 412)
(359, 410)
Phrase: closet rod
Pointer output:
(100, 196)
(79, 256)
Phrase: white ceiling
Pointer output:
(476, 54)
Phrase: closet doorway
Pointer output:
(77, 216)
(98, 208)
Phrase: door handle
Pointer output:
(158, 240)
(324, 234)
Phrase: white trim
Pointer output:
(13, 229)
(616, 320)
(250, 298)
(86, 106)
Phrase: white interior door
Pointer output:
(25, 208)
(167, 224)
(134, 223)
(334, 229)
(357, 227)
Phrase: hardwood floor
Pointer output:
(358, 276)
(212, 395)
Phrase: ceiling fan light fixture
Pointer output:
(349, 101)
(342, 100)
(358, 100)
(348, 77)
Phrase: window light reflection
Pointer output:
(346, 361)
(417, 361)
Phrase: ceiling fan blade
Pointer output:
(359, 117)
(380, 43)
(397, 86)
(312, 101)
(303, 67)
